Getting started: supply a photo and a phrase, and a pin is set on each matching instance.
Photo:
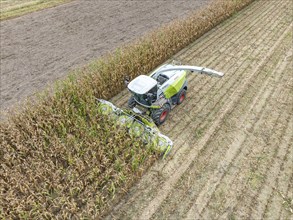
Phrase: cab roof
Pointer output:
(142, 84)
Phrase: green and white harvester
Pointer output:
(152, 98)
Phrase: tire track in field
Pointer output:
(169, 184)
(233, 151)
(243, 176)
(275, 208)
(260, 169)
(244, 117)
(226, 210)
(287, 211)
(241, 157)
(282, 106)
(234, 174)
(264, 196)
(267, 191)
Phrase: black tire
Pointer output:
(131, 102)
(160, 115)
(181, 96)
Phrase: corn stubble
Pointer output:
(60, 157)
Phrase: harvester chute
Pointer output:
(196, 69)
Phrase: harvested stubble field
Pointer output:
(233, 154)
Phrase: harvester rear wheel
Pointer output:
(160, 115)
(181, 96)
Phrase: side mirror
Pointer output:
(126, 80)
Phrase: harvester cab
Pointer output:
(155, 95)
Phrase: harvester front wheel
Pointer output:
(160, 115)
(131, 102)
(181, 96)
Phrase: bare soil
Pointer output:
(40, 48)
(233, 154)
